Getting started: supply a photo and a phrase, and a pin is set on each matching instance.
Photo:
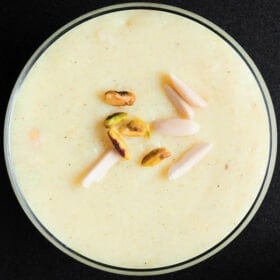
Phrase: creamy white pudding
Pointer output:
(135, 217)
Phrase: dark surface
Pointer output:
(25, 254)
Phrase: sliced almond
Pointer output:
(189, 159)
(34, 136)
(101, 168)
(183, 108)
(176, 127)
(186, 92)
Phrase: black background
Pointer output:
(25, 254)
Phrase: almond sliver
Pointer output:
(179, 103)
(186, 92)
(189, 159)
(100, 169)
(176, 127)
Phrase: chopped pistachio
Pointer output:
(115, 119)
(118, 143)
(119, 98)
(155, 156)
(135, 127)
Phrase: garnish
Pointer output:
(119, 98)
(115, 119)
(155, 156)
(100, 169)
(135, 128)
(186, 92)
(120, 124)
(176, 127)
(188, 160)
(183, 108)
(118, 143)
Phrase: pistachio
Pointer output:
(155, 156)
(135, 127)
(115, 119)
(119, 98)
(118, 143)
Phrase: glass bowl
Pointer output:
(272, 130)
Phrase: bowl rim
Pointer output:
(272, 133)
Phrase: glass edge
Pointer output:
(23, 203)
